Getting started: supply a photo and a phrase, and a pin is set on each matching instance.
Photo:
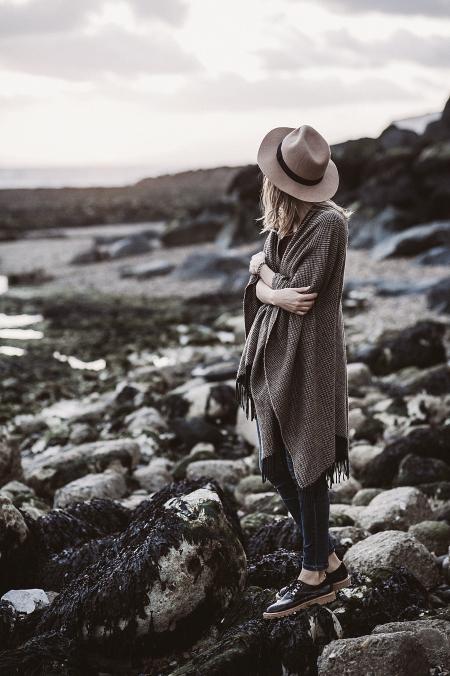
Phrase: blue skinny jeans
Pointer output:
(309, 507)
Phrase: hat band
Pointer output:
(292, 174)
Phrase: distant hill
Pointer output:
(157, 198)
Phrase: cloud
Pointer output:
(78, 56)
(411, 7)
(231, 92)
(431, 50)
(172, 11)
(42, 16)
(341, 48)
(55, 16)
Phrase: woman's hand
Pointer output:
(256, 260)
(296, 299)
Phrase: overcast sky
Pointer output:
(178, 84)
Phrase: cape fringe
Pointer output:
(243, 393)
(339, 468)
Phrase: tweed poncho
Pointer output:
(293, 367)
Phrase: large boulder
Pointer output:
(419, 345)
(108, 484)
(413, 240)
(425, 441)
(381, 654)
(13, 528)
(386, 551)
(10, 465)
(162, 579)
(396, 509)
(432, 634)
(48, 472)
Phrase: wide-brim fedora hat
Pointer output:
(298, 161)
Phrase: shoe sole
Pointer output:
(335, 586)
(326, 598)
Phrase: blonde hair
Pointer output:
(281, 211)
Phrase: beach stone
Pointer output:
(413, 240)
(107, 484)
(435, 535)
(253, 522)
(386, 551)
(200, 451)
(13, 528)
(433, 634)
(26, 600)
(425, 441)
(24, 497)
(342, 514)
(49, 472)
(347, 536)
(356, 420)
(246, 428)
(358, 375)
(155, 475)
(147, 270)
(251, 485)
(91, 409)
(395, 509)
(211, 400)
(438, 296)
(226, 472)
(10, 463)
(344, 491)
(145, 420)
(365, 495)
(418, 345)
(360, 457)
(414, 470)
(191, 431)
(374, 655)
(269, 503)
(434, 380)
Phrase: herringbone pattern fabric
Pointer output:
(293, 367)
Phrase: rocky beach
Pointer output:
(136, 536)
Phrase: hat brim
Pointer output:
(268, 163)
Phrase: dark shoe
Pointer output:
(339, 578)
(300, 595)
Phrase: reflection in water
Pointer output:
(12, 351)
(16, 321)
(75, 363)
(21, 334)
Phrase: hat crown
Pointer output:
(306, 152)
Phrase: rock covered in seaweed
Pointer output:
(163, 578)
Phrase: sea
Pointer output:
(73, 177)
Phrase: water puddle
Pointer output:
(75, 363)
(21, 334)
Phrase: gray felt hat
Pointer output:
(298, 161)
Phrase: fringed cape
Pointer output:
(293, 367)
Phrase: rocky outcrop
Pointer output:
(176, 565)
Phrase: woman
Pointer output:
(292, 375)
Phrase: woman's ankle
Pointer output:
(333, 562)
(311, 576)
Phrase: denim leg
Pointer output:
(318, 544)
(286, 487)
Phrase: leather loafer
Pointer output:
(339, 578)
(298, 596)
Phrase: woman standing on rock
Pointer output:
(292, 375)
